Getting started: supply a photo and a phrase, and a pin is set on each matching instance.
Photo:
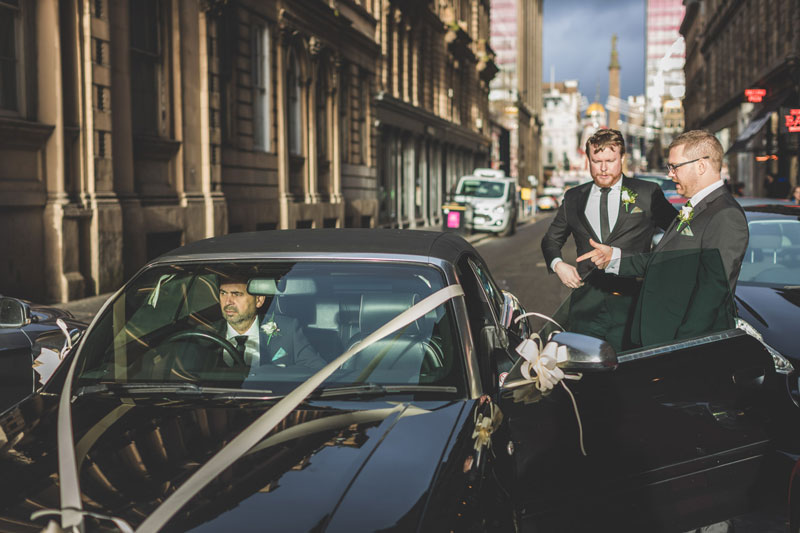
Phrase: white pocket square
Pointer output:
(636, 210)
(687, 232)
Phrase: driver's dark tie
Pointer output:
(604, 225)
(241, 340)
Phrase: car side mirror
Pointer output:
(14, 313)
(574, 353)
(585, 353)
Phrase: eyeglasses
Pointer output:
(674, 168)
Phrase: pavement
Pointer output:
(86, 308)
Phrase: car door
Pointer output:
(680, 435)
(15, 359)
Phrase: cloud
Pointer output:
(577, 42)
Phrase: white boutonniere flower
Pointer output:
(685, 215)
(628, 197)
(270, 328)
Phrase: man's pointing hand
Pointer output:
(600, 256)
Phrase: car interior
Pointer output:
(335, 307)
(773, 253)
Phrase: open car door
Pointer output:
(683, 433)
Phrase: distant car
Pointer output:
(493, 198)
(746, 201)
(413, 425)
(550, 198)
(23, 328)
(667, 186)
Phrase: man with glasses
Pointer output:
(710, 221)
(612, 209)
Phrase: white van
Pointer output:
(493, 198)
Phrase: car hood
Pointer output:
(774, 312)
(328, 466)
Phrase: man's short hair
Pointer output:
(605, 138)
(700, 143)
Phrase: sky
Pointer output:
(577, 43)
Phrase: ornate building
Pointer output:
(733, 46)
(516, 93)
(432, 104)
(130, 127)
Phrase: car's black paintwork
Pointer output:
(677, 437)
(17, 377)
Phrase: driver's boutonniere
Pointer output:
(270, 328)
(628, 197)
(685, 215)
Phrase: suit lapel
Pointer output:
(698, 210)
(583, 199)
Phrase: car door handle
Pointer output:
(752, 377)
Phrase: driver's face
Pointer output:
(238, 306)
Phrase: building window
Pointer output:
(293, 89)
(363, 117)
(322, 112)
(9, 55)
(262, 125)
(149, 112)
(344, 112)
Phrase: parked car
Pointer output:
(407, 428)
(768, 289)
(550, 198)
(667, 186)
(24, 325)
(493, 198)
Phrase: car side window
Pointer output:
(476, 297)
(493, 292)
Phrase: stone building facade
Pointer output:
(130, 127)
(732, 46)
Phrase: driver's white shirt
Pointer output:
(252, 355)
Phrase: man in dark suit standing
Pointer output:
(274, 339)
(612, 209)
(704, 245)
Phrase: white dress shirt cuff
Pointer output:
(613, 265)
(554, 262)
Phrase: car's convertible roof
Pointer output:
(354, 241)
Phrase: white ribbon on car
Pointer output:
(69, 488)
(543, 361)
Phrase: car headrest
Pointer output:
(379, 308)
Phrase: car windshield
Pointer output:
(168, 326)
(773, 253)
(479, 188)
(658, 299)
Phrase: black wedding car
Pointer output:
(23, 326)
(422, 420)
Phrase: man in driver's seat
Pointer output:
(262, 338)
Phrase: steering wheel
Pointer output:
(238, 360)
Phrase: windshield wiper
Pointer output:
(373, 389)
(172, 388)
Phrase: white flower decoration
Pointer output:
(628, 197)
(270, 329)
(685, 215)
